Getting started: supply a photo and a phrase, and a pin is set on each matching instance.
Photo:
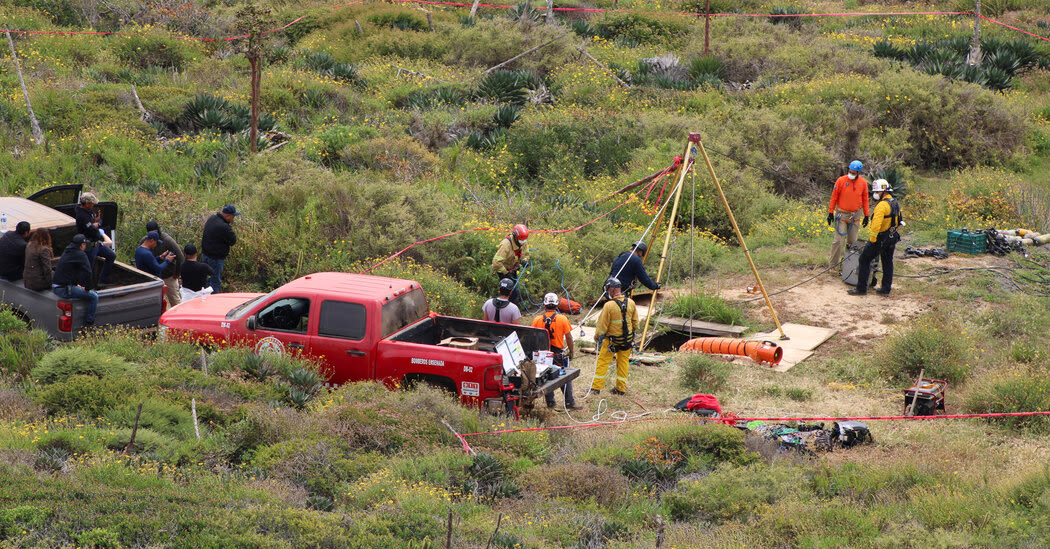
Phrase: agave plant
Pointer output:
(582, 28)
(305, 380)
(958, 45)
(319, 61)
(997, 79)
(917, 53)
(259, 366)
(1004, 60)
(524, 12)
(503, 86)
(506, 115)
(706, 66)
(298, 397)
(779, 13)
(973, 74)
(344, 72)
(886, 50)
(212, 169)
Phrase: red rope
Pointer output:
(747, 419)
(414, 244)
(990, 20)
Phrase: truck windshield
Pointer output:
(239, 310)
(404, 311)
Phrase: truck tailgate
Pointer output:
(138, 305)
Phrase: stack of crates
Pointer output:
(967, 242)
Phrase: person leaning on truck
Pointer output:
(144, 258)
(73, 275)
(216, 241)
(13, 252)
(173, 271)
(500, 309)
(89, 224)
(37, 273)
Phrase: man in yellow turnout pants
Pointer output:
(615, 335)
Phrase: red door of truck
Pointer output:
(343, 342)
(281, 326)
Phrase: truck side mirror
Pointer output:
(251, 323)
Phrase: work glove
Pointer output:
(831, 219)
(658, 286)
(865, 222)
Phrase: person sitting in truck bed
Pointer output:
(144, 258)
(37, 273)
(13, 252)
(73, 275)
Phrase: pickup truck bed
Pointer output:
(134, 300)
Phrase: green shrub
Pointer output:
(16, 519)
(713, 443)
(143, 52)
(577, 481)
(634, 29)
(798, 394)
(702, 374)
(85, 395)
(319, 465)
(398, 20)
(932, 343)
(98, 538)
(445, 295)
(704, 306)
(160, 416)
(20, 350)
(61, 364)
(732, 493)
(10, 322)
(1017, 391)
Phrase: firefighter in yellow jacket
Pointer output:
(513, 252)
(615, 336)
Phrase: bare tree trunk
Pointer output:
(253, 134)
(38, 134)
(523, 54)
(474, 8)
(550, 12)
(974, 57)
(607, 69)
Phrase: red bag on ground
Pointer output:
(566, 305)
(704, 402)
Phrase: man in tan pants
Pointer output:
(848, 200)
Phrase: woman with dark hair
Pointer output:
(37, 274)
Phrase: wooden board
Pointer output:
(802, 337)
(701, 328)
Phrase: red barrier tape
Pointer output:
(414, 244)
(747, 419)
(990, 20)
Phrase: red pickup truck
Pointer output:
(363, 327)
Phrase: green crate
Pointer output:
(967, 243)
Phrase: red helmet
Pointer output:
(520, 231)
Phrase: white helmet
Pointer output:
(880, 185)
(550, 299)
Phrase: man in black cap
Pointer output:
(628, 266)
(73, 275)
(173, 271)
(13, 252)
(216, 242)
(146, 261)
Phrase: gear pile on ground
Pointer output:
(936, 253)
(809, 438)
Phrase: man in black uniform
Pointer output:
(628, 266)
(73, 275)
(89, 224)
(216, 242)
(195, 274)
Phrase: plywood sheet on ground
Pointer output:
(701, 328)
(802, 337)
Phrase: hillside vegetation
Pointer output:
(378, 132)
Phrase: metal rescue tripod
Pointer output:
(692, 145)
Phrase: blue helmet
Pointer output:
(856, 166)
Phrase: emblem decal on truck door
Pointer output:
(271, 345)
(470, 389)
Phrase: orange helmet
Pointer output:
(520, 231)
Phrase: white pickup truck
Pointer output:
(134, 298)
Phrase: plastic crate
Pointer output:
(966, 242)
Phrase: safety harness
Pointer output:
(547, 321)
(895, 218)
(625, 340)
(499, 305)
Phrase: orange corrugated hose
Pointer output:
(759, 351)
